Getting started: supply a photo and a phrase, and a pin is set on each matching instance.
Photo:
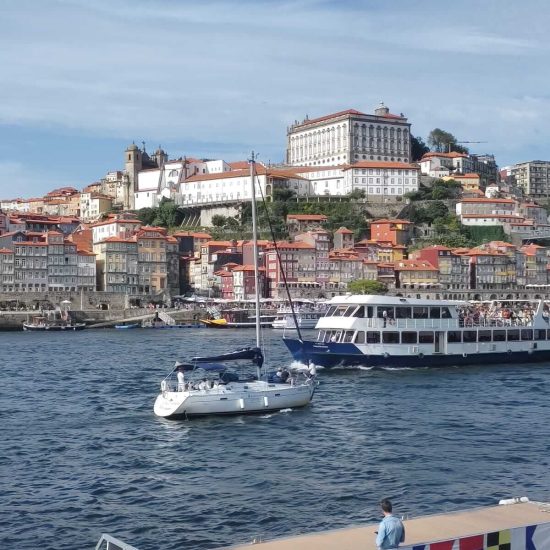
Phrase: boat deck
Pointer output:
(425, 529)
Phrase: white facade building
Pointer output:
(349, 136)
(123, 228)
(235, 186)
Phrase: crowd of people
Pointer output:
(498, 314)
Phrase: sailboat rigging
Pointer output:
(222, 390)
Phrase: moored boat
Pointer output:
(41, 323)
(304, 319)
(128, 326)
(384, 331)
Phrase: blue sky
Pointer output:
(81, 79)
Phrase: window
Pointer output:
(409, 337)
(454, 336)
(526, 334)
(359, 337)
(435, 313)
(469, 336)
(390, 337)
(420, 312)
(445, 313)
(403, 313)
(348, 336)
(499, 335)
(374, 337)
(513, 335)
(425, 337)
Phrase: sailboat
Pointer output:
(204, 386)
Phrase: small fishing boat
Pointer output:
(128, 326)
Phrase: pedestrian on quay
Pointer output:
(391, 531)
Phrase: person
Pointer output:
(385, 317)
(391, 531)
(279, 374)
(312, 371)
(284, 376)
(181, 379)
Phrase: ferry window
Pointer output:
(408, 337)
(513, 335)
(548, 334)
(370, 312)
(454, 336)
(540, 334)
(484, 336)
(330, 311)
(469, 336)
(390, 337)
(425, 337)
(349, 311)
(435, 313)
(526, 334)
(348, 336)
(499, 335)
(359, 337)
(445, 313)
(359, 312)
(374, 337)
(420, 312)
(389, 310)
(403, 313)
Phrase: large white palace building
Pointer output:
(348, 137)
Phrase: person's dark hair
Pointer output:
(385, 504)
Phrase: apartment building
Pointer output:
(533, 178)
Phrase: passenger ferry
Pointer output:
(380, 331)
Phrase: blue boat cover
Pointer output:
(253, 354)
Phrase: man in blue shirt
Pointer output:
(391, 530)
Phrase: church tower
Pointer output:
(133, 162)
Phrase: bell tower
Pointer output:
(133, 161)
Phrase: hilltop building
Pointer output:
(349, 136)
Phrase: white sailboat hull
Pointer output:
(246, 398)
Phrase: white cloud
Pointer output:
(232, 75)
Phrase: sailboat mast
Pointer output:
(255, 246)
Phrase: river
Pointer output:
(82, 453)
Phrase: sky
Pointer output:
(80, 80)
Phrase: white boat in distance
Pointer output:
(227, 393)
(305, 319)
(387, 331)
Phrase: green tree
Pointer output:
(364, 286)
(146, 215)
(218, 220)
(434, 210)
(442, 142)
(357, 194)
(418, 148)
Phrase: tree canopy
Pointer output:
(418, 148)
(365, 286)
(441, 141)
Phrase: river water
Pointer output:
(81, 452)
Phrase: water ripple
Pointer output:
(82, 452)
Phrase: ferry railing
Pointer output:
(443, 324)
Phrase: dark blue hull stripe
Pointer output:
(333, 355)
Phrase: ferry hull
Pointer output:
(335, 354)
